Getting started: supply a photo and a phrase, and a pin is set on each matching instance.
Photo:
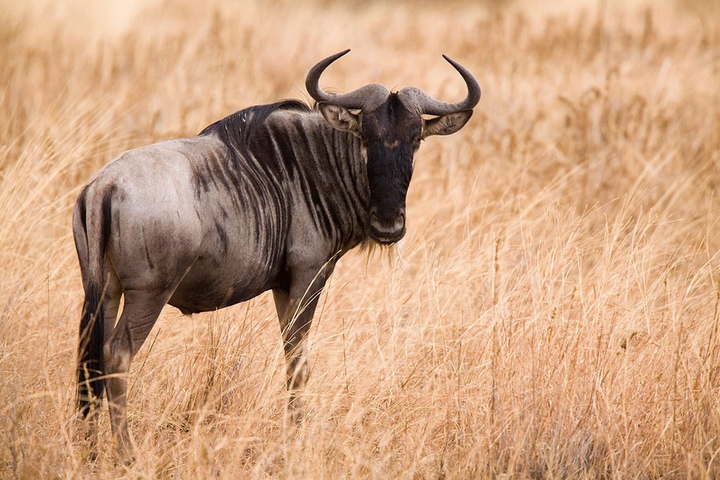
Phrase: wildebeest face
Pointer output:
(390, 135)
(390, 126)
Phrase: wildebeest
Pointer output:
(268, 198)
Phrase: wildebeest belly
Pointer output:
(210, 285)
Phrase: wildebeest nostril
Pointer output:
(390, 227)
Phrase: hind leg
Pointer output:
(88, 418)
(140, 312)
(111, 301)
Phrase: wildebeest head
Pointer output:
(390, 127)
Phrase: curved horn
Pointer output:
(364, 98)
(416, 99)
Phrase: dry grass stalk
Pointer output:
(555, 314)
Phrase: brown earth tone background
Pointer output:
(555, 310)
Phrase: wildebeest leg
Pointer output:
(140, 311)
(111, 305)
(282, 301)
(295, 310)
(112, 292)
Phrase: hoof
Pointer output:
(297, 416)
(125, 454)
(125, 459)
(296, 411)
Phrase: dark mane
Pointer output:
(235, 130)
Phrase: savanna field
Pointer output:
(553, 311)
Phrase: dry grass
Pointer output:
(556, 315)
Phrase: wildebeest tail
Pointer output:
(91, 229)
(90, 387)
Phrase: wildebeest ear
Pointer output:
(447, 124)
(340, 118)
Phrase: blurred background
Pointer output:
(554, 312)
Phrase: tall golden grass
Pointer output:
(555, 313)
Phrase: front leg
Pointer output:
(295, 311)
